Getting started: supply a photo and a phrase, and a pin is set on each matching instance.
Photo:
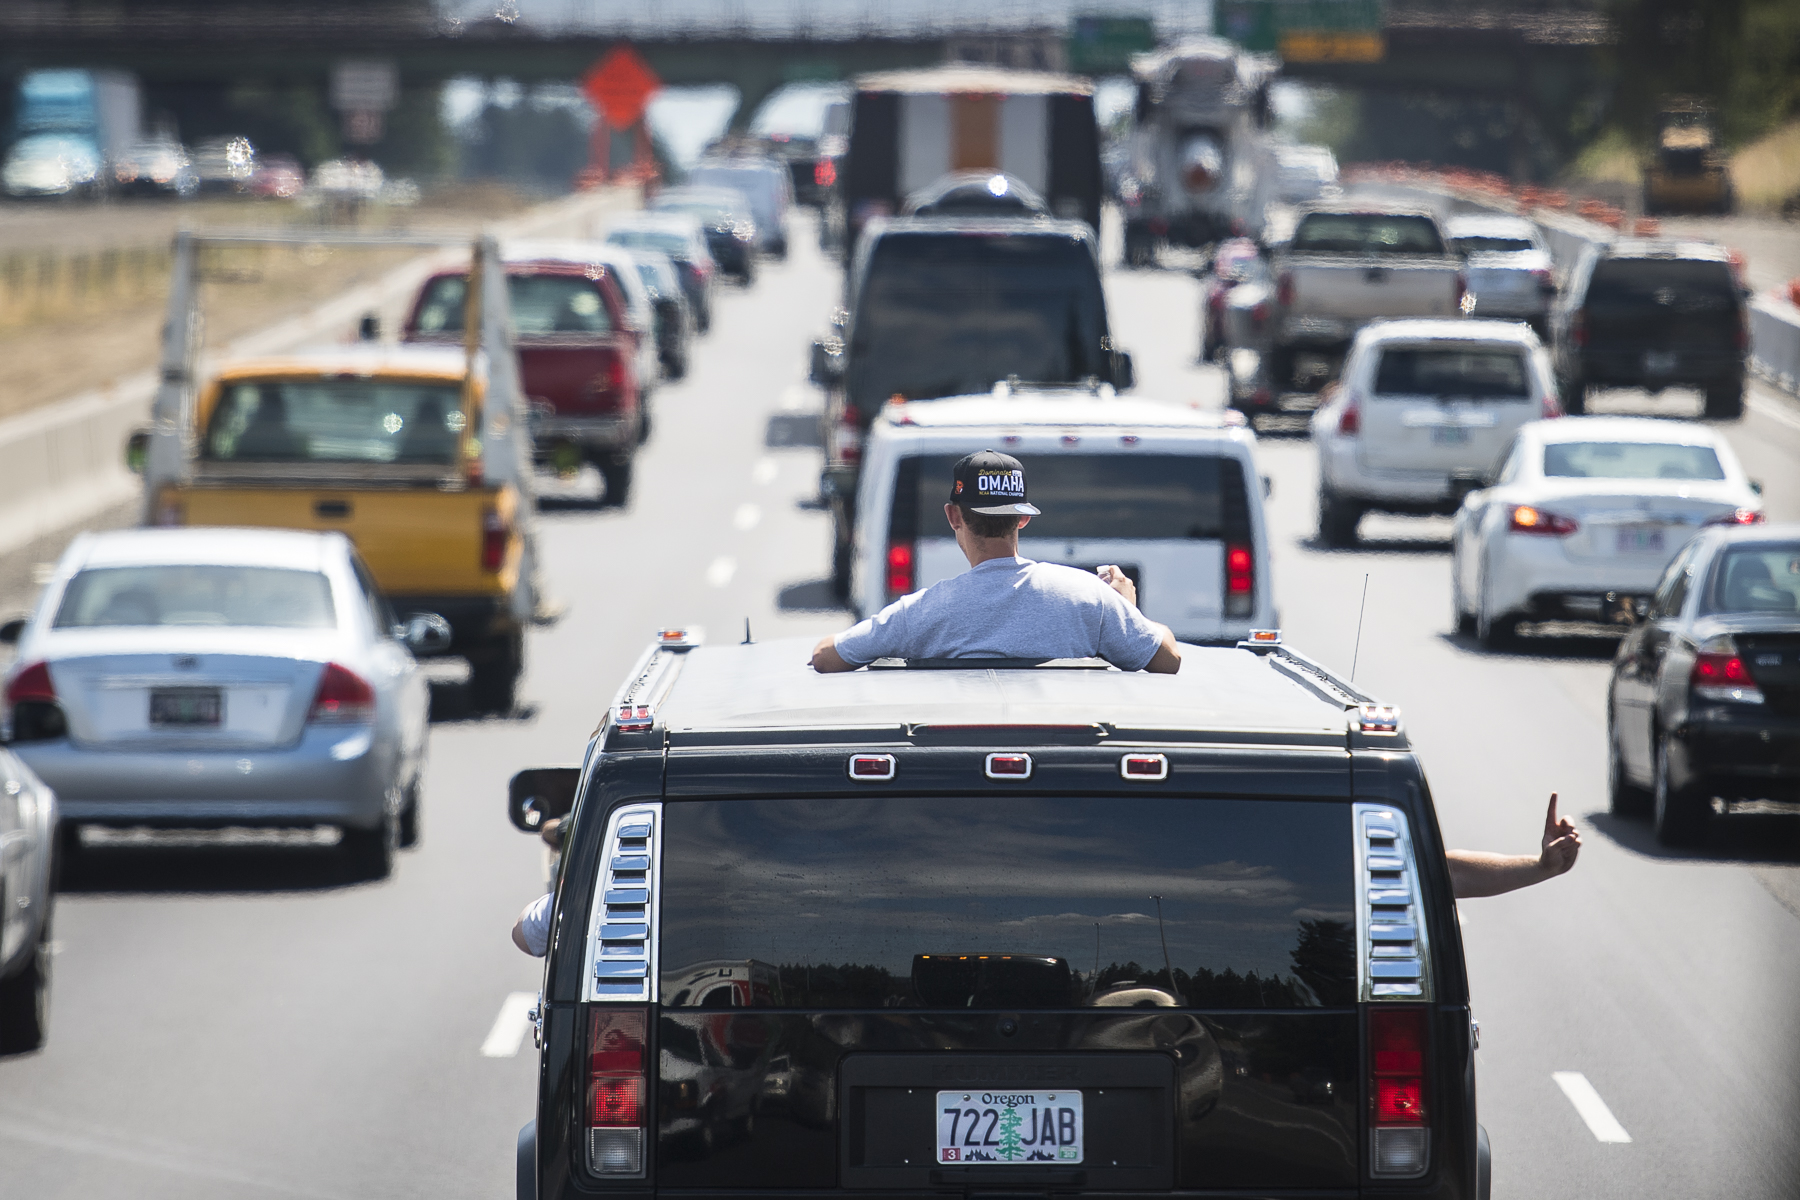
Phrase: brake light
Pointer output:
(824, 173)
(1350, 420)
(1526, 519)
(847, 437)
(343, 698)
(608, 388)
(616, 1087)
(1738, 516)
(1720, 675)
(1284, 290)
(1552, 407)
(493, 540)
(1240, 581)
(1578, 332)
(900, 573)
(1398, 1059)
(33, 683)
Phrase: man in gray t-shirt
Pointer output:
(1005, 606)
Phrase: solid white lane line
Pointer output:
(1600, 1122)
(1774, 410)
(765, 471)
(508, 1033)
(722, 569)
(746, 517)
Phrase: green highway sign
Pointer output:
(1304, 30)
(1103, 45)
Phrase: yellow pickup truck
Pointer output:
(402, 448)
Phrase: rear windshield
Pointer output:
(672, 244)
(1009, 901)
(336, 420)
(1763, 578)
(1094, 496)
(540, 304)
(267, 597)
(1492, 245)
(1480, 374)
(1677, 284)
(952, 314)
(1367, 233)
(1630, 460)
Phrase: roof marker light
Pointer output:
(1144, 768)
(1261, 640)
(1008, 766)
(1377, 718)
(634, 718)
(872, 768)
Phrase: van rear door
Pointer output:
(1445, 406)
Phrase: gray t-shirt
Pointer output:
(1008, 608)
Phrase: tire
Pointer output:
(410, 815)
(617, 474)
(1725, 402)
(645, 420)
(1574, 397)
(840, 563)
(1678, 815)
(494, 671)
(369, 853)
(1497, 633)
(676, 366)
(1623, 797)
(1278, 365)
(1338, 519)
(1462, 621)
(25, 1000)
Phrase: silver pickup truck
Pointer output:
(1347, 266)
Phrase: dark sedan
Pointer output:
(1703, 711)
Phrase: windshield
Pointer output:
(1366, 233)
(1092, 496)
(267, 597)
(1010, 901)
(336, 420)
(1630, 460)
(952, 314)
(1678, 284)
(1492, 245)
(541, 304)
(1476, 374)
(672, 244)
(1762, 578)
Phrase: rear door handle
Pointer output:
(332, 509)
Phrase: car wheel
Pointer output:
(1725, 402)
(617, 474)
(369, 853)
(1680, 812)
(410, 816)
(1574, 397)
(644, 423)
(25, 1000)
(1462, 621)
(1338, 519)
(1495, 631)
(1624, 798)
(494, 672)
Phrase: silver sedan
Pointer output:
(219, 677)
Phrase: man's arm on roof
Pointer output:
(879, 636)
(1130, 640)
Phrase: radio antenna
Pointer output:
(1167, 967)
(748, 640)
(1355, 653)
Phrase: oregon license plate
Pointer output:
(1659, 362)
(1639, 539)
(1449, 435)
(185, 706)
(1009, 1127)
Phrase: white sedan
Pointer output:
(1584, 515)
(209, 677)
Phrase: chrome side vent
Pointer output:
(1393, 948)
(622, 936)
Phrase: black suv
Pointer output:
(998, 929)
(1653, 314)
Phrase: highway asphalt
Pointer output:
(232, 1020)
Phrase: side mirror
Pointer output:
(827, 361)
(369, 328)
(12, 631)
(540, 793)
(137, 450)
(1268, 486)
(425, 633)
(1124, 375)
(1755, 486)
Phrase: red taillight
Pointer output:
(1739, 516)
(847, 437)
(493, 540)
(1350, 420)
(343, 698)
(616, 1091)
(1240, 581)
(1721, 669)
(1720, 675)
(900, 573)
(1284, 290)
(1742, 336)
(33, 683)
(1552, 407)
(1526, 519)
(609, 387)
(1399, 1065)
(1578, 327)
(824, 173)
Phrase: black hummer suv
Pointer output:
(998, 930)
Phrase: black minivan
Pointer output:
(999, 930)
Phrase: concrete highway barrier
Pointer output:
(64, 463)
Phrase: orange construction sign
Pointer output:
(619, 85)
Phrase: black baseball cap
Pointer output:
(991, 483)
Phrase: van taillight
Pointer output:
(609, 387)
(617, 1088)
(824, 173)
(900, 574)
(847, 437)
(493, 540)
(343, 698)
(1399, 1142)
(1240, 581)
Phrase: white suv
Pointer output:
(1421, 415)
(1168, 493)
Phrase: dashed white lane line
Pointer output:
(508, 1033)
(1600, 1122)
(765, 471)
(720, 572)
(746, 517)
(1774, 411)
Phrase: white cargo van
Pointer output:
(1166, 492)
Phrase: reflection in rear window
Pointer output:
(1008, 901)
(1366, 233)
(1761, 578)
(266, 597)
(540, 304)
(1484, 244)
(1676, 284)
(336, 420)
(1093, 496)
(1479, 374)
(1630, 460)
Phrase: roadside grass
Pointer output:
(1766, 173)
